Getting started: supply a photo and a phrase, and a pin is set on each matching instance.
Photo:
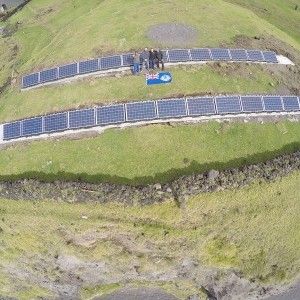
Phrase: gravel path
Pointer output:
(10, 3)
(172, 34)
(138, 293)
(291, 294)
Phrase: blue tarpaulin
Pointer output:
(158, 78)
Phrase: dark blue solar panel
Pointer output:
(141, 111)
(11, 130)
(127, 60)
(89, 66)
(220, 54)
(227, 105)
(200, 54)
(32, 126)
(272, 103)
(290, 103)
(30, 80)
(56, 122)
(111, 62)
(252, 104)
(179, 55)
(201, 106)
(82, 118)
(255, 55)
(171, 108)
(110, 114)
(238, 54)
(67, 71)
(270, 56)
(48, 75)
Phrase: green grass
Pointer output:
(48, 38)
(151, 153)
(281, 14)
(254, 231)
(186, 80)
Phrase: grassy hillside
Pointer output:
(151, 153)
(253, 231)
(281, 14)
(54, 32)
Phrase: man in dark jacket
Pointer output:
(159, 59)
(152, 59)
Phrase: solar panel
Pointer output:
(290, 103)
(200, 54)
(89, 66)
(251, 104)
(30, 80)
(111, 62)
(127, 60)
(228, 105)
(139, 111)
(171, 108)
(82, 118)
(67, 71)
(179, 55)
(272, 103)
(255, 55)
(32, 126)
(110, 114)
(48, 75)
(201, 106)
(12, 130)
(238, 54)
(220, 54)
(270, 56)
(56, 122)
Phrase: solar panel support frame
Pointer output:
(229, 54)
(263, 103)
(68, 120)
(168, 57)
(211, 57)
(186, 106)
(122, 62)
(77, 69)
(125, 112)
(282, 104)
(190, 56)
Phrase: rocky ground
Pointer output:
(178, 190)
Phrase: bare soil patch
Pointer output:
(172, 34)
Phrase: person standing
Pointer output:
(145, 59)
(152, 59)
(136, 63)
(159, 59)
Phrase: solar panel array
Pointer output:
(126, 60)
(149, 110)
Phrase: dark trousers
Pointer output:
(162, 64)
(151, 63)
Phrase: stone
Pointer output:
(212, 175)
(157, 186)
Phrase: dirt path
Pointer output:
(131, 293)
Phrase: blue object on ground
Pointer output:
(158, 78)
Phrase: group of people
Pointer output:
(147, 60)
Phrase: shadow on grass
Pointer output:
(171, 174)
